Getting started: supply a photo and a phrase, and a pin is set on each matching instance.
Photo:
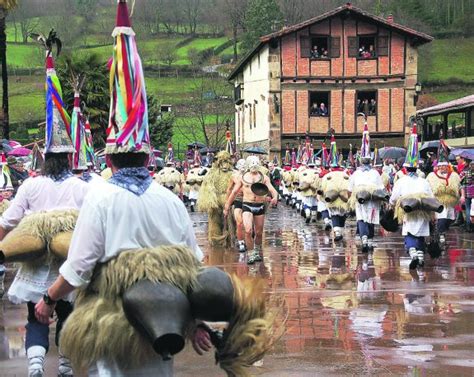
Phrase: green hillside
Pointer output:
(445, 60)
(444, 75)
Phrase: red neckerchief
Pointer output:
(404, 171)
(440, 177)
(323, 173)
(337, 169)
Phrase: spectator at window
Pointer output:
(373, 107)
(314, 111)
(366, 107)
(314, 52)
(323, 110)
(361, 51)
(360, 108)
(324, 53)
(371, 51)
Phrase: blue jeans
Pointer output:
(413, 241)
(365, 229)
(325, 214)
(338, 220)
(468, 210)
(443, 225)
(37, 334)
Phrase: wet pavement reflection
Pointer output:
(348, 313)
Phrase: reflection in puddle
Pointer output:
(349, 313)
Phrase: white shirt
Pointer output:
(40, 194)
(113, 219)
(43, 194)
(370, 210)
(409, 185)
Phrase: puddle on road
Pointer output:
(348, 313)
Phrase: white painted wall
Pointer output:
(255, 77)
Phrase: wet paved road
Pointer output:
(349, 313)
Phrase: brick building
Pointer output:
(350, 60)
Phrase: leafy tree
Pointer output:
(94, 94)
(95, 97)
(262, 17)
(5, 7)
(161, 125)
(87, 8)
(168, 54)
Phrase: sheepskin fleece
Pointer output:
(193, 179)
(399, 213)
(447, 194)
(44, 226)
(337, 181)
(353, 199)
(309, 182)
(253, 328)
(98, 329)
(4, 206)
(214, 185)
(169, 176)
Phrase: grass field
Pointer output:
(199, 44)
(27, 107)
(449, 96)
(440, 62)
(445, 59)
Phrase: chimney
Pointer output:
(390, 18)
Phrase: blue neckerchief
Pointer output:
(365, 167)
(85, 176)
(61, 177)
(135, 180)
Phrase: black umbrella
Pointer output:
(207, 150)
(196, 144)
(393, 153)
(430, 146)
(255, 150)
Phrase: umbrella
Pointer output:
(393, 153)
(6, 146)
(19, 152)
(14, 144)
(462, 152)
(160, 163)
(255, 150)
(206, 150)
(430, 146)
(196, 144)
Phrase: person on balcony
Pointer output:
(323, 110)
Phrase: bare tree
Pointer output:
(25, 17)
(148, 15)
(192, 11)
(208, 114)
(235, 11)
(172, 15)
